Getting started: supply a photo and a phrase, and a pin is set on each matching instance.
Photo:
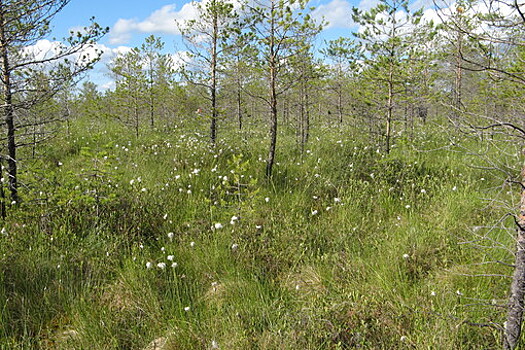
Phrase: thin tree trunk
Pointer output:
(301, 119)
(8, 112)
(273, 98)
(307, 115)
(390, 107)
(33, 148)
(340, 103)
(136, 112)
(213, 88)
(152, 112)
(458, 81)
(3, 211)
(514, 321)
(239, 105)
(151, 96)
(273, 123)
(286, 110)
(273, 134)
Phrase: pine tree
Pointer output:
(281, 27)
(205, 38)
(22, 24)
(386, 37)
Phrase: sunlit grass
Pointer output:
(163, 238)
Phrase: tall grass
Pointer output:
(122, 241)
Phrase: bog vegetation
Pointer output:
(265, 195)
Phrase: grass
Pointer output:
(116, 245)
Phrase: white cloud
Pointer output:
(338, 14)
(117, 50)
(431, 15)
(366, 5)
(163, 20)
(43, 49)
(108, 53)
(121, 31)
(101, 74)
(50, 50)
(446, 11)
(110, 85)
(180, 58)
(421, 4)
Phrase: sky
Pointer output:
(130, 21)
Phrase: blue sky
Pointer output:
(131, 21)
(130, 17)
(106, 12)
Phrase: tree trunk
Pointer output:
(340, 103)
(213, 71)
(307, 131)
(136, 114)
(390, 108)
(151, 95)
(272, 65)
(301, 121)
(306, 102)
(239, 104)
(152, 112)
(3, 211)
(457, 98)
(286, 110)
(514, 321)
(273, 124)
(8, 112)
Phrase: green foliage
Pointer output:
(397, 51)
(145, 86)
